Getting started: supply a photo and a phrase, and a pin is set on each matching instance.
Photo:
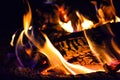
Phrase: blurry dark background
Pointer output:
(11, 12)
(10, 20)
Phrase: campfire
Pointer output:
(65, 40)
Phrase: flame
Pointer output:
(19, 44)
(63, 21)
(110, 12)
(63, 13)
(12, 40)
(106, 13)
(55, 58)
(66, 26)
(103, 54)
(27, 19)
(117, 19)
(86, 24)
(45, 47)
(101, 16)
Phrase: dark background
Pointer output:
(11, 13)
(10, 20)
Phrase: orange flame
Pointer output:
(108, 11)
(27, 19)
(86, 24)
(103, 54)
(54, 56)
(63, 13)
(12, 40)
(64, 23)
(66, 26)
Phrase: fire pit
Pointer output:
(66, 42)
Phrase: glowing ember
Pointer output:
(114, 63)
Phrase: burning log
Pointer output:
(83, 42)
